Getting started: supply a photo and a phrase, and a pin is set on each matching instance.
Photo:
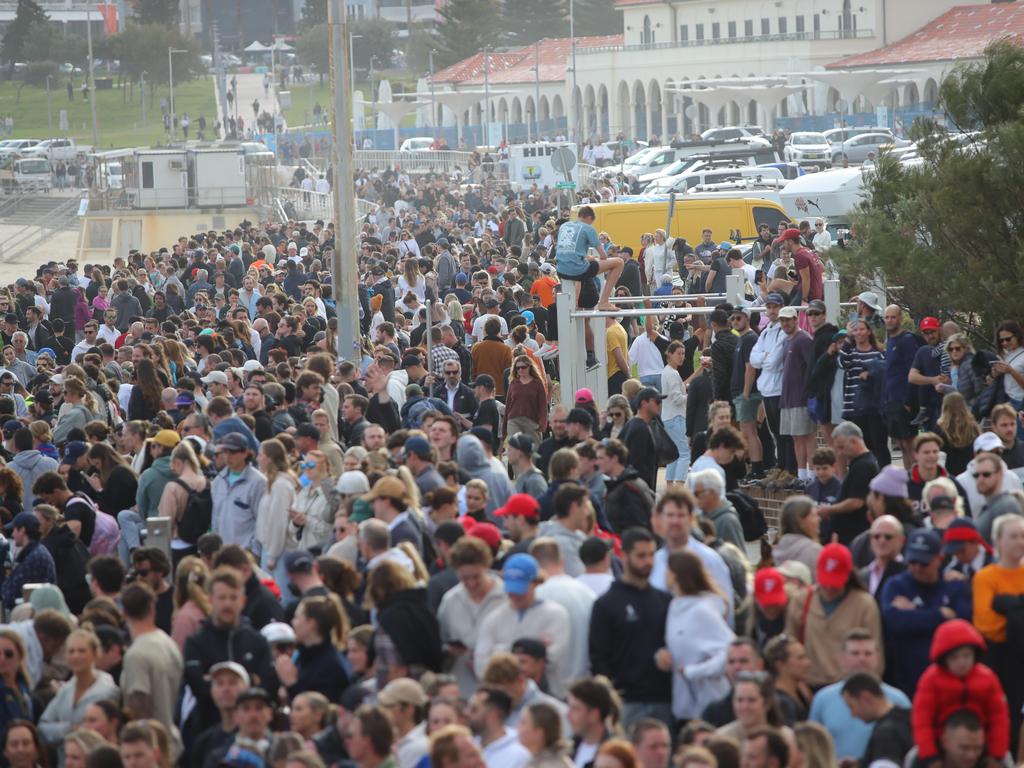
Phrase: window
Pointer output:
(147, 175)
(716, 31)
(684, 33)
(732, 29)
(770, 216)
(766, 26)
(647, 36)
(800, 24)
(700, 31)
(782, 25)
(748, 27)
(817, 25)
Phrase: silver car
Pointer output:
(857, 148)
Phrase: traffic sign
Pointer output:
(565, 185)
(563, 160)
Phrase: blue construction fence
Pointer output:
(900, 120)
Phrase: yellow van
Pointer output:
(731, 218)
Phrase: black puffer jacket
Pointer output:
(413, 629)
(71, 557)
(628, 501)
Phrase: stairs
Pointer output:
(37, 218)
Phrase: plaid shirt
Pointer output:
(33, 565)
(439, 355)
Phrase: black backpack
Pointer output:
(197, 517)
(750, 514)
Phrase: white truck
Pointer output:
(530, 164)
(57, 149)
(25, 174)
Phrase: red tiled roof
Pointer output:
(517, 66)
(961, 33)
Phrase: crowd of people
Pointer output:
(225, 547)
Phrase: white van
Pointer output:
(831, 195)
(693, 179)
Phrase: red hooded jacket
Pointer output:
(941, 693)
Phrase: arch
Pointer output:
(647, 34)
(503, 110)
(931, 92)
(589, 112)
(832, 100)
(912, 96)
(656, 109)
(603, 111)
(670, 108)
(517, 110)
(545, 109)
(557, 109)
(639, 111)
(625, 109)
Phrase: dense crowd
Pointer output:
(224, 547)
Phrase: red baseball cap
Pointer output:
(929, 324)
(770, 588)
(790, 234)
(834, 566)
(488, 533)
(519, 505)
(584, 395)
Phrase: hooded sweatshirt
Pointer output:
(940, 693)
(29, 465)
(151, 486)
(698, 638)
(469, 452)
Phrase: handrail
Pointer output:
(53, 221)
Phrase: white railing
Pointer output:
(585, 174)
(309, 205)
(365, 208)
(432, 161)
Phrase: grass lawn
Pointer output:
(305, 96)
(120, 122)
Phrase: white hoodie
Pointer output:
(698, 638)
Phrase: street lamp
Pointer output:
(49, 106)
(170, 80)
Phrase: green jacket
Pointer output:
(151, 487)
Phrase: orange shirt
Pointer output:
(544, 289)
(990, 581)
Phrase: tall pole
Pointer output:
(170, 85)
(433, 101)
(572, 96)
(345, 280)
(273, 83)
(142, 92)
(487, 96)
(92, 83)
(222, 87)
(536, 86)
(49, 108)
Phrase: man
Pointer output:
(486, 712)
(809, 269)
(900, 350)
(29, 465)
(419, 458)
(33, 563)
(491, 355)
(1004, 424)
(927, 448)
(926, 373)
(236, 491)
(572, 508)
(452, 390)
(152, 567)
(989, 442)
(988, 477)
(638, 438)
(915, 603)
(140, 746)
(651, 740)
(966, 550)
(254, 712)
(523, 615)
(225, 636)
(744, 394)
(887, 540)
(261, 606)
(617, 358)
(629, 500)
(766, 356)
(370, 738)
(708, 489)
(579, 425)
(578, 600)
(848, 516)
(891, 736)
(492, 309)
(795, 419)
(742, 655)
(125, 306)
(723, 353)
(152, 668)
(764, 747)
(528, 479)
(850, 735)
(962, 740)
(228, 680)
(216, 384)
(353, 419)
(673, 517)
(557, 420)
(522, 514)
(404, 702)
(390, 505)
(591, 703)
(303, 579)
(488, 412)
(505, 672)
(453, 747)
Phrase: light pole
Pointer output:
(142, 92)
(487, 96)
(92, 83)
(572, 96)
(536, 86)
(433, 103)
(352, 60)
(49, 107)
(170, 82)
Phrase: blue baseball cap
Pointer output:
(519, 573)
(923, 546)
(529, 317)
(774, 298)
(47, 351)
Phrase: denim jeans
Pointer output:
(131, 524)
(676, 428)
(652, 380)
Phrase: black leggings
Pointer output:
(876, 437)
(784, 453)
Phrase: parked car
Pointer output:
(807, 147)
(417, 144)
(839, 135)
(115, 176)
(16, 146)
(745, 134)
(859, 148)
(56, 149)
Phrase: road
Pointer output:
(249, 88)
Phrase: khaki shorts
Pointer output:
(746, 407)
(796, 421)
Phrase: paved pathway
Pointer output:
(249, 88)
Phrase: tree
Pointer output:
(35, 73)
(597, 17)
(314, 12)
(144, 48)
(950, 230)
(313, 49)
(163, 12)
(372, 38)
(28, 15)
(527, 21)
(466, 27)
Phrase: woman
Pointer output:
(719, 416)
(174, 500)
(526, 402)
(787, 660)
(15, 691)
(476, 500)
(814, 747)
(106, 718)
(23, 747)
(618, 413)
(320, 628)
(114, 482)
(408, 638)
(863, 362)
(958, 429)
(74, 414)
(42, 439)
(659, 259)
(755, 705)
(359, 650)
(1010, 365)
(70, 556)
(997, 590)
(967, 369)
(616, 753)
(144, 400)
(87, 684)
(697, 637)
(442, 712)
(309, 521)
(272, 512)
(78, 745)
(540, 731)
(673, 412)
(799, 531)
(412, 280)
(309, 714)
(191, 604)
(11, 491)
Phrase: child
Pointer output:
(825, 486)
(957, 680)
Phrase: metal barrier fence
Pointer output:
(434, 161)
(313, 205)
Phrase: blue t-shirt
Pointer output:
(574, 238)
(849, 734)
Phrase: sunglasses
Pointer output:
(814, 313)
(522, 367)
(976, 475)
(1005, 339)
(954, 349)
(616, 414)
(451, 373)
(8, 653)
